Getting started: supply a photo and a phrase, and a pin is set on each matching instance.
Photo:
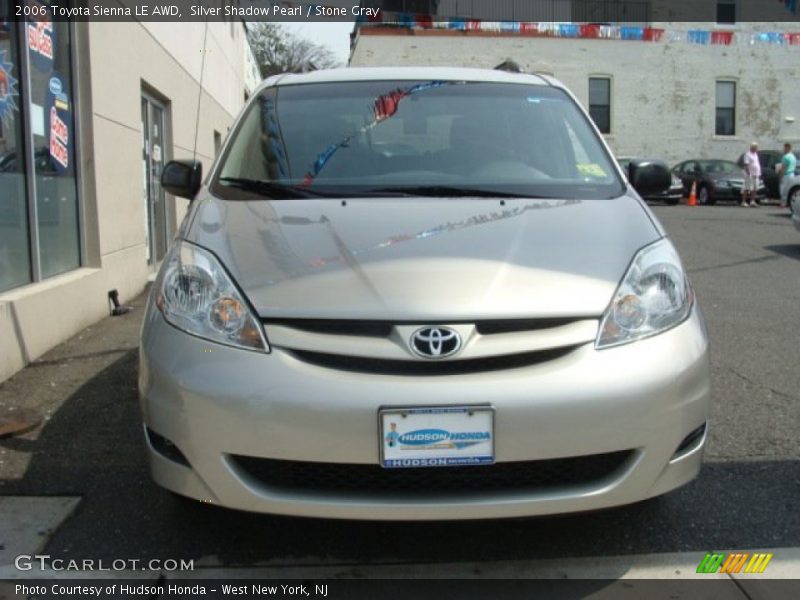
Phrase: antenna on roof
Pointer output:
(200, 91)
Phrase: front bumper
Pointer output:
(215, 402)
(673, 194)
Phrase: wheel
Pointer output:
(793, 197)
(703, 197)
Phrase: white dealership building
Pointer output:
(655, 87)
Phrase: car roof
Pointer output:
(707, 160)
(410, 74)
(774, 152)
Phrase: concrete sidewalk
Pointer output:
(43, 387)
(678, 565)
(29, 521)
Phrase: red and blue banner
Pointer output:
(8, 88)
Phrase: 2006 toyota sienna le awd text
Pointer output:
(421, 293)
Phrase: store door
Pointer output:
(153, 160)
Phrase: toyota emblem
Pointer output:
(435, 342)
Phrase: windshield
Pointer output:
(426, 138)
(719, 166)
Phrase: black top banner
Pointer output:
(430, 12)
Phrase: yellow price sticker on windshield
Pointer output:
(591, 170)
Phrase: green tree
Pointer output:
(279, 51)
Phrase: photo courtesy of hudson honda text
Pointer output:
(125, 589)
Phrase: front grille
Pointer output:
(379, 366)
(517, 325)
(372, 328)
(336, 326)
(372, 479)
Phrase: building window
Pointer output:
(15, 258)
(726, 108)
(600, 102)
(52, 112)
(726, 12)
(154, 140)
(39, 217)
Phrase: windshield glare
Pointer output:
(361, 137)
(719, 166)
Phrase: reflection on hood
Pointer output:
(449, 226)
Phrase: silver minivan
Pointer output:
(421, 293)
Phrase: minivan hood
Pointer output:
(422, 259)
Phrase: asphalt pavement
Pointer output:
(745, 267)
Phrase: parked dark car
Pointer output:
(715, 179)
(671, 196)
(770, 159)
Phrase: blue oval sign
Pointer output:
(55, 86)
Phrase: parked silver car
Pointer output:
(790, 193)
(421, 293)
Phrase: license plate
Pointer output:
(436, 436)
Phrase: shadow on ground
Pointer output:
(92, 447)
(788, 250)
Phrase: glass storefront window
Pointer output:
(53, 134)
(37, 153)
(15, 260)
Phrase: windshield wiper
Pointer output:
(282, 191)
(444, 191)
(270, 189)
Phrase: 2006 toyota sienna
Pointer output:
(421, 293)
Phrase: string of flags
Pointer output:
(413, 21)
(587, 31)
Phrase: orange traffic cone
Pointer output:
(693, 195)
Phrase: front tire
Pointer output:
(793, 197)
(704, 197)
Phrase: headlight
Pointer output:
(654, 296)
(195, 294)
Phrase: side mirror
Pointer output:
(649, 177)
(182, 177)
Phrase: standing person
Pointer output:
(752, 175)
(785, 170)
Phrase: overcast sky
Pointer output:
(335, 35)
